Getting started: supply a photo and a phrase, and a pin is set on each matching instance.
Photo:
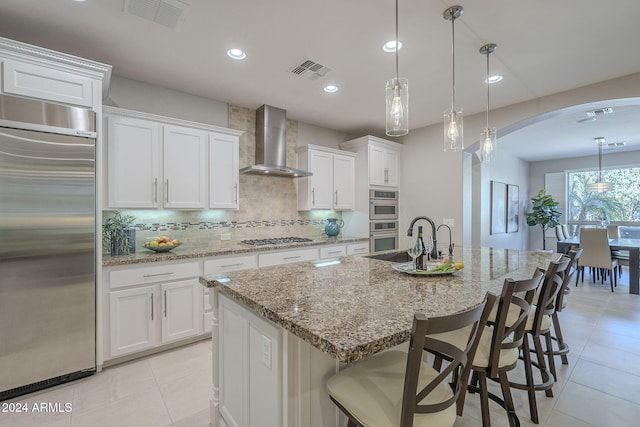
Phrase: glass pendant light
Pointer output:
(453, 130)
(397, 97)
(488, 135)
(599, 186)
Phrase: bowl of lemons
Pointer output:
(161, 244)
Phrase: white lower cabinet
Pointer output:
(152, 306)
(251, 389)
(357, 248)
(287, 257)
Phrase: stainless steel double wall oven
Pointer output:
(383, 216)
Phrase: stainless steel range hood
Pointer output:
(271, 145)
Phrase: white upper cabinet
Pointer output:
(332, 185)
(383, 166)
(133, 172)
(224, 166)
(184, 154)
(378, 163)
(157, 162)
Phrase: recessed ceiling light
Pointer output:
(236, 54)
(331, 88)
(494, 79)
(391, 46)
(80, 1)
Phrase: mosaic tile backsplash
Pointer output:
(268, 205)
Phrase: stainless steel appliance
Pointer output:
(47, 245)
(383, 205)
(383, 235)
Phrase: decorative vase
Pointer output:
(333, 227)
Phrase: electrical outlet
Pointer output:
(225, 236)
(266, 352)
(448, 221)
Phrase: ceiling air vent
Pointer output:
(615, 144)
(310, 70)
(169, 13)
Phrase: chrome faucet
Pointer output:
(450, 243)
(434, 251)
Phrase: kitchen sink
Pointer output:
(392, 257)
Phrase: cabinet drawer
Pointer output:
(45, 83)
(357, 248)
(332, 251)
(288, 257)
(159, 273)
(233, 263)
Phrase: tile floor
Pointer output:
(599, 387)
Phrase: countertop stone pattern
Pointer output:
(215, 248)
(361, 306)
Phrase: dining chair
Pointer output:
(565, 231)
(621, 256)
(398, 389)
(538, 325)
(559, 232)
(596, 253)
(572, 270)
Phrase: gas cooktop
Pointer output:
(275, 241)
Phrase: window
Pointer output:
(622, 204)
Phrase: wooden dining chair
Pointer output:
(596, 253)
(398, 389)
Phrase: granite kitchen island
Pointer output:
(279, 332)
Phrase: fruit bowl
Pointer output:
(161, 244)
(165, 248)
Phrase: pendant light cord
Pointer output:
(397, 45)
(453, 65)
(488, 53)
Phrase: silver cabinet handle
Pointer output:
(386, 175)
(151, 306)
(165, 303)
(291, 257)
(334, 252)
(313, 197)
(232, 265)
(336, 197)
(236, 191)
(167, 195)
(159, 274)
(155, 190)
(359, 249)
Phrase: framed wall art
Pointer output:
(513, 208)
(498, 207)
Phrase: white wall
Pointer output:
(140, 96)
(432, 181)
(310, 134)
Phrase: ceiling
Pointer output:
(544, 47)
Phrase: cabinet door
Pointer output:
(133, 163)
(132, 320)
(321, 165)
(185, 168)
(377, 174)
(181, 310)
(391, 166)
(223, 171)
(344, 182)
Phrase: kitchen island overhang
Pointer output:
(330, 313)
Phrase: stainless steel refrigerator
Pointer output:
(47, 244)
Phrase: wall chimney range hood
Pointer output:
(271, 145)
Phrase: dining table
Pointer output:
(620, 244)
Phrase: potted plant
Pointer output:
(544, 212)
(116, 234)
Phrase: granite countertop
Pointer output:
(358, 306)
(216, 248)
